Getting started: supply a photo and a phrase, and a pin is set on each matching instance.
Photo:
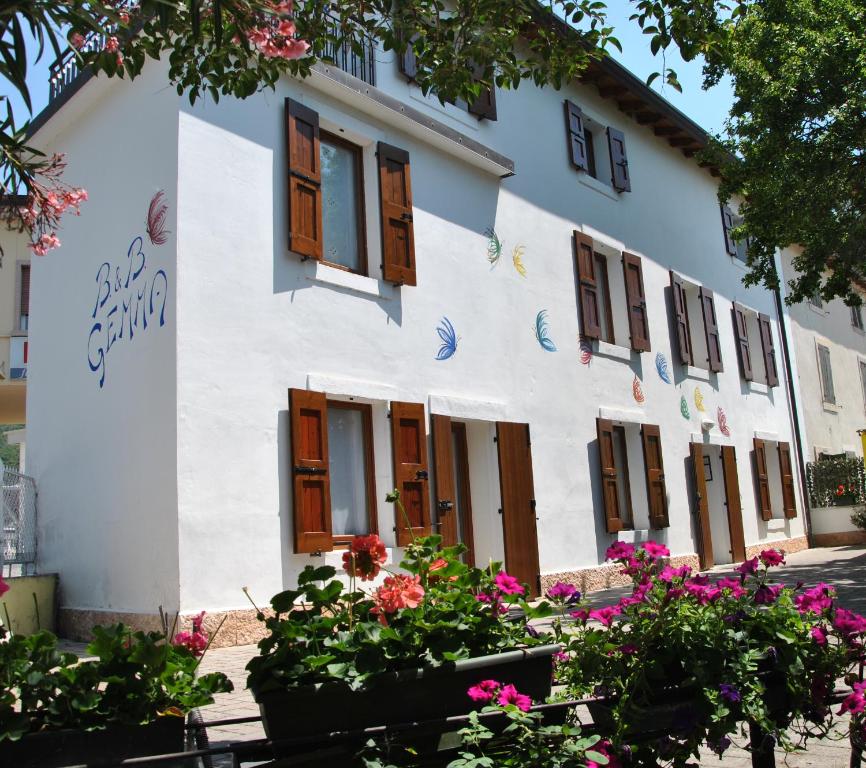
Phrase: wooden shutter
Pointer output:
(25, 291)
(741, 331)
(311, 482)
(305, 180)
(409, 443)
(638, 324)
(407, 62)
(680, 318)
(727, 226)
(484, 107)
(765, 505)
(444, 490)
(786, 469)
(607, 464)
(587, 286)
(702, 509)
(732, 501)
(768, 347)
(620, 178)
(574, 128)
(655, 476)
(517, 496)
(395, 200)
(711, 330)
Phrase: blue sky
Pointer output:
(707, 108)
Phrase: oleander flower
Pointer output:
(508, 694)
(365, 557)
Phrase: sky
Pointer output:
(707, 108)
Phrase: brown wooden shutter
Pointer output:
(655, 476)
(607, 464)
(786, 469)
(768, 347)
(727, 226)
(741, 331)
(574, 129)
(409, 443)
(311, 481)
(484, 107)
(395, 200)
(620, 178)
(732, 501)
(638, 324)
(587, 286)
(517, 495)
(443, 466)
(305, 180)
(680, 318)
(702, 508)
(25, 290)
(765, 505)
(711, 330)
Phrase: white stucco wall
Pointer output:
(104, 457)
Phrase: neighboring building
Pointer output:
(14, 320)
(212, 409)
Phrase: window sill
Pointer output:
(738, 263)
(758, 388)
(614, 351)
(701, 374)
(832, 407)
(17, 333)
(597, 186)
(341, 278)
(817, 310)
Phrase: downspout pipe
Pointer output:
(795, 416)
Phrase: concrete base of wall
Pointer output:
(841, 539)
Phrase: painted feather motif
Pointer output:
(699, 399)
(637, 391)
(684, 407)
(449, 339)
(157, 212)
(517, 258)
(494, 246)
(662, 368)
(585, 351)
(722, 418)
(541, 331)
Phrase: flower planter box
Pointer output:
(398, 697)
(673, 710)
(52, 749)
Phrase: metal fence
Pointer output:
(18, 536)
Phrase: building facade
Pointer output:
(525, 314)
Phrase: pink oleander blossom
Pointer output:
(112, 45)
(44, 244)
(655, 550)
(620, 550)
(772, 557)
(510, 695)
(605, 615)
(508, 585)
(484, 691)
(77, 40)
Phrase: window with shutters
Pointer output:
(695, 325)
(774, 479)
(597, 151)
(857, 318)
(343, 231)
(755, 336)
(483, 107)
(738, 250)
(23, 297)
(825, 370)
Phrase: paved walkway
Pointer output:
(844, 567)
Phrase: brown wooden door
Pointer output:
(518, 503)
(732, 502)
(444, 491)
(409, 442)
(702, 507)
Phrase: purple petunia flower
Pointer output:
(730, 693)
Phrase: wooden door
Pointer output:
(732, 502)
(462, 489)
(702, 507)
(409, 444)
(518, 503)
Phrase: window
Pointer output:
(24, 297)
(484, 107)
(816, 301)
(737, 249)
(585, 139)
(862, 365)
(605, 315)
(350, 451)
(826, 372)
(756, 363)
(623, 484)
(857, 317)
(343, 240)
(690, 300)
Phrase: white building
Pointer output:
(328, 315)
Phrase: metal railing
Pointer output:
(18, 515)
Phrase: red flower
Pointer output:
(438, 564)
(396, 592)
(365, 557)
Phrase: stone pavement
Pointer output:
(844, 567)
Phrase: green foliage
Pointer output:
(836, 482)
(325, 632)
(136, 678)
(9, 454)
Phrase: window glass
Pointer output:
(826, 374)
(348, 468)
(857, 317)
(340, 204)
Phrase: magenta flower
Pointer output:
(580, 615)
(561, 657)
(669, 573)
(748, 567)
(628, 649)
(484, 691)
(772, 557)
(849, 623)
(606, 749)
(510, 695)
(620, 550)
(855, 702)
(605, 615)
(655, 550)
(563, 591)
(816, 600)
(767, 594)
(819, 634)
(4, 587)
(733, 585)
(508, 585)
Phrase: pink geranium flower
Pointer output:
(365, 557)
(772, 557)
(508, 585)
(655, 550)
(484, 691)
(396, 592)
(510, 695)
(605, 615)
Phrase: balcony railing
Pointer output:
(358, 60)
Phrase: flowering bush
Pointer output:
(697, 657)
(436, 609)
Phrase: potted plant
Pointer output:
(406, 650)
(687, 660)
(129, 701)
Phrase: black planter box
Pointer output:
(401, 697)
(53, 749)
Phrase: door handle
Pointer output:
(446, 505)
(421, 474)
